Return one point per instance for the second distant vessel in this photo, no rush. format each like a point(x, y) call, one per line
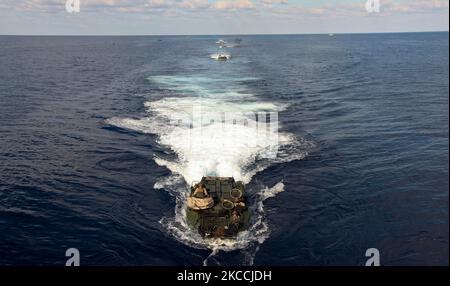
point(221, 43)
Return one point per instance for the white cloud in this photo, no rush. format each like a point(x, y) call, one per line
point(273, 2)
point(157, 4)
point(277, 8)
point(193, 4)
point(215, 16)
point(414, 6)
point(233, 4)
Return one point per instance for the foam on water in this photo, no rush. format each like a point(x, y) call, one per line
point(196, 127)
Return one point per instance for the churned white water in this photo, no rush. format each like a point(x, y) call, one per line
point(216, 130)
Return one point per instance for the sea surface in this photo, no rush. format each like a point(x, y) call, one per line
point(101, 137)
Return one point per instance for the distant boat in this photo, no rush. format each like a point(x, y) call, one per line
point(222, 57)
point(331, 34)
point(221, 42)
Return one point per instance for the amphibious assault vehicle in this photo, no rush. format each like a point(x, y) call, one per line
point(217, 207)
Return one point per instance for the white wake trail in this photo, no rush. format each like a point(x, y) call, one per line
point(214, 131)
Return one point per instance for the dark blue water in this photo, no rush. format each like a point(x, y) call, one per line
point(87, 162)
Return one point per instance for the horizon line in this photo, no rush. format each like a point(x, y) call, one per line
point(226, 34)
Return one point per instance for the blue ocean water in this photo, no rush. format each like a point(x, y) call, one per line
point(90, 157)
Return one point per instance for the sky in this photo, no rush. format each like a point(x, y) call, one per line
point(203, 17)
